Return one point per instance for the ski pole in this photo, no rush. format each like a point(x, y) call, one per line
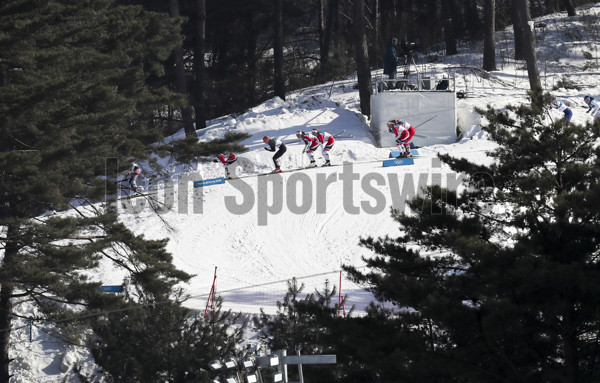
point(426, 121)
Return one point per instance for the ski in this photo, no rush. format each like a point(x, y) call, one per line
point(136, 195)
point(396, 154)
point(284, 171)
point(424, 122)
point(339, 135)
point(313, 167)
point(269, 173)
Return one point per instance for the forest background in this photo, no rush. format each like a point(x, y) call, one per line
point(243, 52)
point(83, 81)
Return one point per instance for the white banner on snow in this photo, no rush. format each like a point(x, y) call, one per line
point(432, 113)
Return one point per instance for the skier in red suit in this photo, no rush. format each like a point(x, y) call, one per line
point(227, 161)
point(310, 145)
point(326, 140)
point(404, 133)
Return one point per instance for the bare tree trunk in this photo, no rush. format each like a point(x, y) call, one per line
point(361, 51)
point(474, 24)
point(433, 10)
point(377, 20)
point(449, 38)
point(409, 20)
point(321, 27)
point(489, 50)
point(551, 6)
point(5, 321)
point(376, 51)
point(528, 45)
point(517, 31)
point(389, 21)
point(219, 58)
point(569, 340)
point(336, 25)
point(568, 4)
point(250, 58)
point(328, 32)
point(385, 30)
point(458, 20)
point(279, 85)
point(199, 66)
point(186, 112)
point(6, 307)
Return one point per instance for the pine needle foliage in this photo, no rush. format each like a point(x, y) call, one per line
point(302, 324)
point(78, 82)
point(498, 283)
point(162, 341)
point(191, 150)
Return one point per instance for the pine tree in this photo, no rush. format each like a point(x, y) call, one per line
point(162, 341)
point(384, 346)
point(505, 274)
point(282, 331)
point(301, 324)
point(75, 90)
point(192, 150)
point(203, 339)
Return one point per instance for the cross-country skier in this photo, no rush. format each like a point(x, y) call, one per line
point(404, 132)
point(275, 145)
point(560, 105)
point(593, 106)
point(310, 145)
point(227, 161)
point(326, 140)
point(133, 174)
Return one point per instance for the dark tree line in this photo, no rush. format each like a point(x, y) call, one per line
point(237, 53)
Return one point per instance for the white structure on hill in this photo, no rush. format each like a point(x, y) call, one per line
point(427, 103)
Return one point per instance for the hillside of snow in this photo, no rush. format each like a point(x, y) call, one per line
point(260, 231)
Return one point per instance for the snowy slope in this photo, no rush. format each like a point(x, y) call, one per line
point(296, 224)
point(323, 212)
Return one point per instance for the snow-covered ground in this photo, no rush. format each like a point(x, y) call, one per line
point(259, 232)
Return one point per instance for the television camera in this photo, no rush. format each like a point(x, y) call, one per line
point(407, 50)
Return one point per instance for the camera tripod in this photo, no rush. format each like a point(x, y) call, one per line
point(407, 62)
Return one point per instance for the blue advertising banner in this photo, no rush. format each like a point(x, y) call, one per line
point(209, 182)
